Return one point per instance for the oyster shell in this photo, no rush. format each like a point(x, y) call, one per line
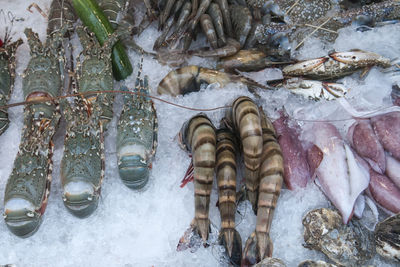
point(310, 263)
point(387, 238)
point(349, 245)
point(270, 262)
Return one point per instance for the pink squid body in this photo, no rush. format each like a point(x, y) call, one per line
point(384, 191)
point(393, 170)
point(387, 129)
point(296, 169)
point(365, 142)
point(341, 176)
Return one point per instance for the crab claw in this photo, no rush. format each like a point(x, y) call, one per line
point(258, 247)
point(303, 67)
point(335, 89)
point(360, 58)
point(232, 242)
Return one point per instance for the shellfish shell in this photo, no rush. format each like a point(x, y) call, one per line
point(310, 263)
point(387, 238)
point(270, 262)
point(349, 245)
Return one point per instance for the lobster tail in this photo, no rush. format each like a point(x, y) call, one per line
point(27, 192)
point(232, 242)
point(258, 247)
point(133, 170)
point(23, 209)
point(19, 223)
point(80, 198)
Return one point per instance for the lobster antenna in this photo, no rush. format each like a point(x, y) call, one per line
point(37, 7)
point(49, 99)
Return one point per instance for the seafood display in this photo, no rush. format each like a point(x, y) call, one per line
point(292, 117)
point(28, 186)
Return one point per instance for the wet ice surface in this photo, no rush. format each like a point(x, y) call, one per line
point(142, 228)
